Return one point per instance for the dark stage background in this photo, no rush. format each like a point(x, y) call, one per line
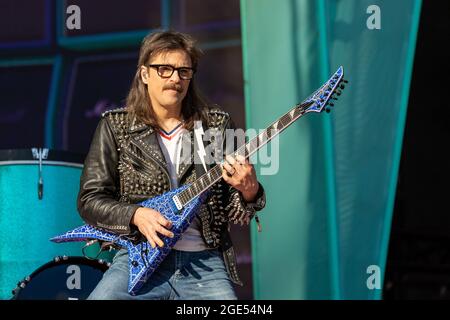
point(418, 265)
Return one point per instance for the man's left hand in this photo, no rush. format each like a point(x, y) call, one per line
point(241, 175)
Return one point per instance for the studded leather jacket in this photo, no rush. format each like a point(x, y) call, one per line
point(125, 166)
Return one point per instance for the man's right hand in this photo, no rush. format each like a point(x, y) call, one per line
point(150, 222)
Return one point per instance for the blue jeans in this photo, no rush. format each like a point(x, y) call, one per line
point(181, 276)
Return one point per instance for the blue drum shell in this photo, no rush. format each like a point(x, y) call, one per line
point(27, 222)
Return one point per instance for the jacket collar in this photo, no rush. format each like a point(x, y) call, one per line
point(137, 126)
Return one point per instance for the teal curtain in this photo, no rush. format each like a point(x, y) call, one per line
point(329, 206)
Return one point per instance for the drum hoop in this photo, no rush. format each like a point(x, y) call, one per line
point(100, 264)
point(70, 260)
point(44, 162)
point(33, 154)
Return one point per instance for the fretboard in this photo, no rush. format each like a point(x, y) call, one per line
point(246, 150)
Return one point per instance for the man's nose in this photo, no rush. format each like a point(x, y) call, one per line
point(175, 76)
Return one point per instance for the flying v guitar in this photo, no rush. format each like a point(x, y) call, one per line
point(180, 205)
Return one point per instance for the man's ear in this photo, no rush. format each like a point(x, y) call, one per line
point(144, 74)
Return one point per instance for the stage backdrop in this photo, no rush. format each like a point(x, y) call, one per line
point(327, 221)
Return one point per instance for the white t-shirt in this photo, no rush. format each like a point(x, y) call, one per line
point(170, 142)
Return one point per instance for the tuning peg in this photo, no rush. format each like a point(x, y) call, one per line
point(331, 104)
point(345, 81)
point(342, 86)
point(338, 92)
point(327, 110)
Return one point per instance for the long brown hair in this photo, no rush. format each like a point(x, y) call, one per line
point(138, 102)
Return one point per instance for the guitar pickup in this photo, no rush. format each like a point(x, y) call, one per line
point(177, 202)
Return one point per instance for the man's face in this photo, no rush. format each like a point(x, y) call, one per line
point(166, 92)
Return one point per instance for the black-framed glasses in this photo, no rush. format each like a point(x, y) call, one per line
point(166, 71)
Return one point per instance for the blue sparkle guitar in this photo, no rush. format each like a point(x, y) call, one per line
point(181, 205)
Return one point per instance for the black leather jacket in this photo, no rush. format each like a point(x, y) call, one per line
point(125, 166)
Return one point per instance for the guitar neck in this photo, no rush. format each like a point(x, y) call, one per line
point(215, 173)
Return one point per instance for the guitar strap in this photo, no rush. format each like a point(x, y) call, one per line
point(200, 159)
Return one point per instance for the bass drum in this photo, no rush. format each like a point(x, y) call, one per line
point(38, 200)
point(64, 278)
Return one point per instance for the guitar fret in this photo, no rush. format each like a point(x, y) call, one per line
point(261, 138)
point(186, 197)
point(204, 182)
point(181, 198)
point(284, 120)
point(217, 172)
point(207, 180)
point(254, 144)
point(191, 193)
point(251, 146)
point(212, 176)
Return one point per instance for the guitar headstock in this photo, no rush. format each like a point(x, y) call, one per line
point(321, 98)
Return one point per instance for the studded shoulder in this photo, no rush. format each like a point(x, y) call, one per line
point(112, 111)
point(216, 116)
point(119, 124)
point(217, 110)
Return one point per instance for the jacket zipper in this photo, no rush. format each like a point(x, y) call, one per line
point(138, 162)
